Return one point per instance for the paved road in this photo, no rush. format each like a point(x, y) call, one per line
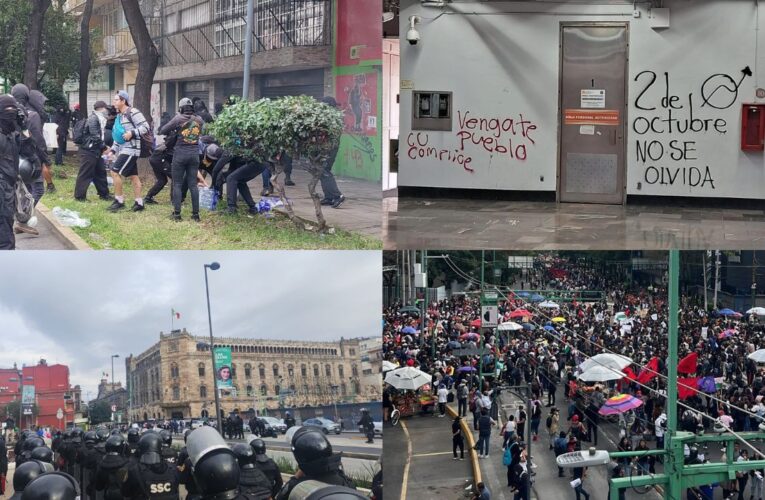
point(418, 460)
point(48, 239)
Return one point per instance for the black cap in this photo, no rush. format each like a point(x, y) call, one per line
point(99, 105)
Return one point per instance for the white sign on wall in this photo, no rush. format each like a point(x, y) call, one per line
point(593, 98)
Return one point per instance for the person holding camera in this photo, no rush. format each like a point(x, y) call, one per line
point(91, 148)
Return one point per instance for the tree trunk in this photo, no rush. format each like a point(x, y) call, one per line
point(148, 56)
point(34, 42)
point(85, 56)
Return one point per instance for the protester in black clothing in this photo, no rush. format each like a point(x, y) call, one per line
point(91, 148)
point(9, 168)
point(458, 440)
point(240, 171)
point(200, 109)
point(62, 118)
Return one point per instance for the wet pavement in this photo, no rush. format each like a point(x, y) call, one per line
point(450, 224)
point(427, 469)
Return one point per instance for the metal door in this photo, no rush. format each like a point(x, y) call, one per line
point(592, 113)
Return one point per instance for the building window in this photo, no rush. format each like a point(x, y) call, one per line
point(355, 370)
point(277, 389)
point(176, 393)
point(202, 391)
point(233, 370)
point(352, 352)
point(343, 389)
point(290, 371)
point(305, 389)
point(303, 371)
point(276, 370)
point(201, 368)
point(247, 371)
point(328, 370)
point(174, 370)
point(316, 371)
point(292, 388)
point(367, 371)
point(262, 371)
point(341, 371)
point(263, 390)
point(249, 390)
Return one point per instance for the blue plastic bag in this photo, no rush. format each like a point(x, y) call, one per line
point(208, 198)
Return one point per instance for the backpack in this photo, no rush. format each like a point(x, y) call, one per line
point(507, 457)
point(560, 445)
point(78, 132)
point(146, 140)
point(548, 422)
point(450, 398)
point(472, 403)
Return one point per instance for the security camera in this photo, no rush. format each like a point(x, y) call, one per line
point(413, 36)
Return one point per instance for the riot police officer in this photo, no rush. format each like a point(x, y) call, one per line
point(267, 465)
point(251, 479)
point(169, 455)
point(43, 454)
point(66, 452)
point(52, 486)
point(313, 454)
point(184, 471)
point(88, 459)
point(112, 470)
point(133, 436)
point(152, 477)
point(215, 468)
point(368, 425)
point(26, 473)
point(29, 444)
point(289, 421)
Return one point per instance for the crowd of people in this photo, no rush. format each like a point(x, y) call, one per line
point(143, 464)
point(545, 356)
point(110, 140)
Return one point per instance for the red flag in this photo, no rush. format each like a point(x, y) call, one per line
point(687, 365)
point(630, 375)
point(649, 371)
point(687, 386)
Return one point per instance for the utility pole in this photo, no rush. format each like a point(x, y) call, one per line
point(754, 278)
point(706, 279)
point(717, 276)
point(248, 51)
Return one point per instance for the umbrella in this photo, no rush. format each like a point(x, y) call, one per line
point(408, 330)
point(549, 328)
point(620, 316)
point(469, 335)
point(407, 378)
point(520, 313)
point(759, 311)
point(758, 356)
point(559, 319)
point(388, 366)
point(727, 312)
point(707, 384)
point(476, 323)
point(600, 374)
point(522, 294)
point(509, 326)
point(536, 298)
point(528, 326)
point(615, 361)
point(466, 369)
point(410, 310)
point(549, 305)
point(725, 334)
point(619, 404)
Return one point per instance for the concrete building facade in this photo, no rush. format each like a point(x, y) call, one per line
point(174, 378)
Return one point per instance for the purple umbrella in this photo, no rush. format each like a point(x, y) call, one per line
point(707, 384)
point(408, 330)
point(466, 369)
point(619, 404)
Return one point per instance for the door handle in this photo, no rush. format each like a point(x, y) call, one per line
point(613, 136)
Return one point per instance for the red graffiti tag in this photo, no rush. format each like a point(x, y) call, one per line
point(419, 149)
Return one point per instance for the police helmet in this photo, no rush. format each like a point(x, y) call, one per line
point(186, 435)
point(77, 435)
point(258, 446)
point(29, 471)
point(217, 472)
point(115, 432)
point(115, 444)
point(68, 434)
point(26, 170)
point(311, 448)
point(52, 486)
point(90, 437)
point(244, 455)
point(43, 454)
point(31, 443)
point(150, 448)
point(167, 437)
point(133, 435)
point(102, 435)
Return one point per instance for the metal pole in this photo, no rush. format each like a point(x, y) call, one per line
point(672, 468)
point(717, 276)
point(248, 51)
point(112, 373)
point(212, 355)
point(754, 279)
point(21, 397)
point(529, 439)
point(706, 280)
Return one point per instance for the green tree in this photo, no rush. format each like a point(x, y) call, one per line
point(12, 409)
point(99, 411)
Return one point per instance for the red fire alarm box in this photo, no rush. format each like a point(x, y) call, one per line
point(753, 127)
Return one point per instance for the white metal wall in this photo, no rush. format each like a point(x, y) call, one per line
point(501, 60)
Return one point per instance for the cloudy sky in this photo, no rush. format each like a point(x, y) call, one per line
point(79, 308)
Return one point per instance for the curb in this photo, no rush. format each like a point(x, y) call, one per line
point(470, 444)
point(71, 239)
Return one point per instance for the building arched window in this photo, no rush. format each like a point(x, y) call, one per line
point(262, 370)
point(343, 389)
point(341, 371)
point(303, 371)
point(290, 371)
point(202, 391)
point(316, 371)
point(233, 370)
point(201, 369)
point(263, 390)
point(276, 370)
point(174, 370)
point(328, 370)
point(176, 393)
point(248, 371)
point(277, 389)
point(355, 370)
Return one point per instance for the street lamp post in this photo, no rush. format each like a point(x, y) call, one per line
point(113, 356)
point(213, 267)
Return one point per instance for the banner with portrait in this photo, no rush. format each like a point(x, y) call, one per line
point(223, 372)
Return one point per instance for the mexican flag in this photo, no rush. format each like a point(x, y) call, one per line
point(176, 314)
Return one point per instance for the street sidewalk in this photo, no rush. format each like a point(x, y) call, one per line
point(361, 212)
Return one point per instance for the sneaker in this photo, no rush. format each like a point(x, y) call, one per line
point(195, 217)
point(253, 211)
point(137, 207)
point(50, 189)
point(288, 182)
point(116, 205)
point(231, 211)
point(81, 199)
point(462, 458)
point(327, 202)
point(455, 458)
point(338, 202)
point(266, 192)
point(176, 216)
point(150, 201)
point(20, 228)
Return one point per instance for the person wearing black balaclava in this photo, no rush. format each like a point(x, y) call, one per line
point(200, 109)
point(9, 168)
point(39, 156)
